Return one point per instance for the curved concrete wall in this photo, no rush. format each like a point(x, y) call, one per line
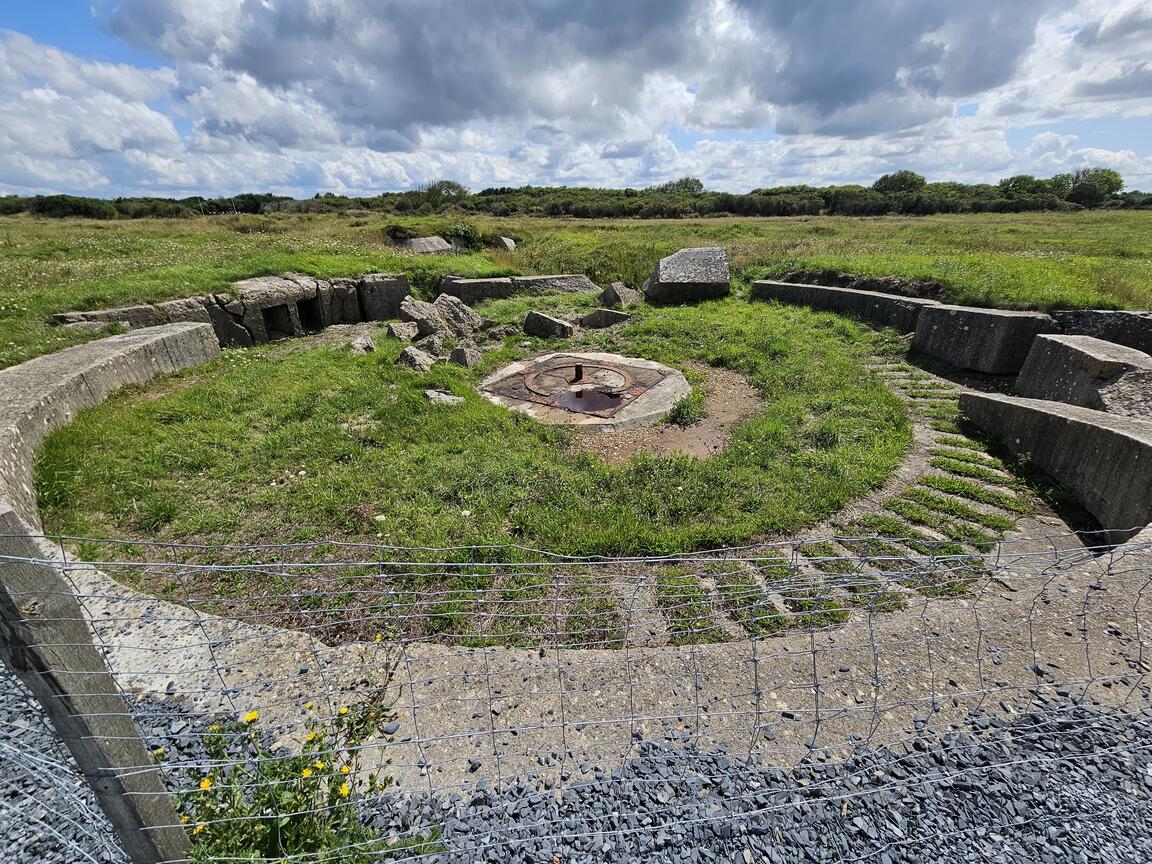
point(1104, 458)
point(45, 393)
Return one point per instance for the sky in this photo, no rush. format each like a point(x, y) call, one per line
point(295, 97)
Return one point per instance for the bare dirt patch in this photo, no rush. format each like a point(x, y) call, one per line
point(730, 400)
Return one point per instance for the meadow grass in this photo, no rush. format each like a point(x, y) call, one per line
point(1052, 260)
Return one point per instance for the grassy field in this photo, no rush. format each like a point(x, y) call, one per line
point(289, 442)
point(1084, 260)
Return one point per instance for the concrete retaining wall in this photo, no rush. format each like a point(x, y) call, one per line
point(46, 392)
point(995, 341)
point(1092, 373)
point(889, 310)
point(1106, 460)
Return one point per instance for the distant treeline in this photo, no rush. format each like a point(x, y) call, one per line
point(903, 192)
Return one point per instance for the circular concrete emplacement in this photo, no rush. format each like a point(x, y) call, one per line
point(596, 391)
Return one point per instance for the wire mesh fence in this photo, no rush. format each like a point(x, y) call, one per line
point(835, 699)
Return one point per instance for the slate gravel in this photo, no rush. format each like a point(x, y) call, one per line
point(48, 815)
point(1060, 782)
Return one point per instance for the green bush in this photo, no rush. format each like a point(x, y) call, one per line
point(465, 234)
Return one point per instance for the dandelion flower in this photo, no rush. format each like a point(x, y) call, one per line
point(184, 820)
point(206, 784)
point(311, 736)
point(319, 765)
point(199, 827)
point(308, 705)
point(345, 769)
point(306, 773)
point(159, 752)
point(251, 716)
point(343, 711)
point(379, 638)
point(345, 790)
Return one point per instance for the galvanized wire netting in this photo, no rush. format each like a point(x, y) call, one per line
point(843, 699)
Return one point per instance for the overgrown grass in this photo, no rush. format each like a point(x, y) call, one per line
point(293, 443)
point(1096, 259)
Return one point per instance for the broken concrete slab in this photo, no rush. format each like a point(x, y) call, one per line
point(504, 244)
point(474, 290)
point(229, 332)
point(1105, 459)
point(433, 245)
point(134, 317)
point(277, 307)
point(415, 359)
point(1085, 371)
point(405, 331)
point(601, 318)
point(689, 275)
point(362, 345)
point(457, 315)
point(619, 294)
point(887, 310)
point(381, 295)
point(433, 344)
point(995, 341)
point(568, 283)
point(442, 397)
point(342, 300)
point(423, 314)
point(546, 327)
point(466, 354)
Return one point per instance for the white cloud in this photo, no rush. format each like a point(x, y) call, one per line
point(360, 96)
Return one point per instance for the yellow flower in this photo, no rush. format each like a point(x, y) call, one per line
point(306, 773)
point(206, 784)
point(345, 769)
point(345, 790)
point(319, 765)
point(251, 716)
point(158, 752)
point(199, 827)
point(308, 705)
point(214, 728)
point(184, 820)
point(311, 736)
point(343, 711)
point(379, 638)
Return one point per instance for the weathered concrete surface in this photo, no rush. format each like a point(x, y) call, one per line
point(601, 318)
point(143, 314)
point(689, 275)
point(567, 283)
point(995, 341)
point(546, 327)
point(46, 392)
point(416, 359)
point(426, 246)
point(1106, 460)
point(474, 290)
point(1089, 372)
point(888, 310)
point(381, 295)
point(1133, 329)
point(504, 244)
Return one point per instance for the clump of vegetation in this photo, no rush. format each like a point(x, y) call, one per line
point(465, 234)
point(691, 409)
point(686, 608)
point(271, 805)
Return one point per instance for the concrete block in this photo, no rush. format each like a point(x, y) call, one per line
point(689, 275)
point(433, 245)
point(601, 318)
point(546, 327)
point(1089, 372)
point(995, 341)
point(474, 290)
point(381, 295)
point(1104, 459)
point(568, 283)
point(46, 392)
point(888, 310)
point(1133, 329)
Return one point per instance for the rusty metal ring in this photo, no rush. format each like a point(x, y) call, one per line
point(530, 378)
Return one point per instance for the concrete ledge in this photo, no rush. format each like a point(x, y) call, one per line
point(472, 291)
point(46, 392)
point(1088, 372)
point(888, 310)
point(995, 341)
point(1104, 459)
